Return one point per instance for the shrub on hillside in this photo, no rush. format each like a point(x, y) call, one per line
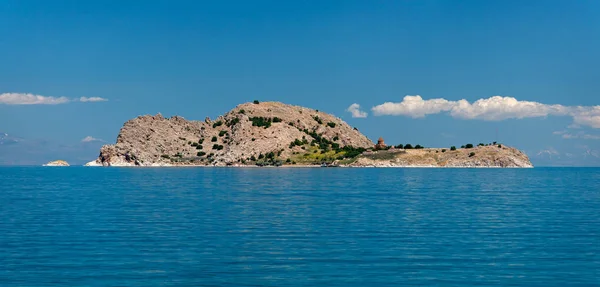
point(261, 122)
point(256, 102)
point(318, 120)
point(331, 124)
point(217, 124)
point(469, 146)
point(452, 148)
point(213, 139)
point(408, 146)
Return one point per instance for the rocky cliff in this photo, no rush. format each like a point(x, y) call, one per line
point(266, 133)
point(481, 156)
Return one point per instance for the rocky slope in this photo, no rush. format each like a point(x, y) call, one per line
point(251, 133)
point(481, 156)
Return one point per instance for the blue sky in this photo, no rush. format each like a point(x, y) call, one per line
point(201, 58)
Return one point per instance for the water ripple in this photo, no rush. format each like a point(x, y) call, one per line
point(299, 227)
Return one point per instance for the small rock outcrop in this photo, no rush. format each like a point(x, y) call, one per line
point(57, 163)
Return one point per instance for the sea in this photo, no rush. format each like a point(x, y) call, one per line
point(78, 226)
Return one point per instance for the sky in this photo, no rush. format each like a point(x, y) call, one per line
point(435, 73)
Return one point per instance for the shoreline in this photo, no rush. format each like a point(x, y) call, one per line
point(311, 166)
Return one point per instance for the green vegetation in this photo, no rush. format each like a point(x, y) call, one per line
point(418, 146)
point(233, 122)
point(443, 150)
point(331, 124)
point(261, 122)
point(201, 141)
point(400, 146)
point(253, 139)
point(469, 146)
point(199, 146)
point(217, 147)
point(200, 153)
point(452, 148)
point(336, 138)
point(222, 133)
point(499, 146)
point(481, 144)
point(242, 111)
point(165, 156)
point(298, 142)
point(256, 102)
point(318, 120)
point(408, 146)
point(217, 124)
point(213, 139)
point(193, 143)
point(276, 120)
point(471, 154)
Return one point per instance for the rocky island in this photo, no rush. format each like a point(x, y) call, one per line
point(276, 134)
point(57, 163)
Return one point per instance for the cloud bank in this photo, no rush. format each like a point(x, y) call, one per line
point(31, 99)
point(354, 109)
point(495, 108)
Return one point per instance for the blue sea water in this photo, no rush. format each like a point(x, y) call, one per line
point(299, 227)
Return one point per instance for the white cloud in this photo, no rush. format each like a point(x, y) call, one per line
point(413, 106)
point(90, 139)
point(92, 99)
point(578, 135)
point(548, 152)
point(354, 109)
point(495, 108)
point(30, 99)
point(587, 116)
point(501, 108)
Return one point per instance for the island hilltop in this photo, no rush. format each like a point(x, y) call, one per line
point(274, 134)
